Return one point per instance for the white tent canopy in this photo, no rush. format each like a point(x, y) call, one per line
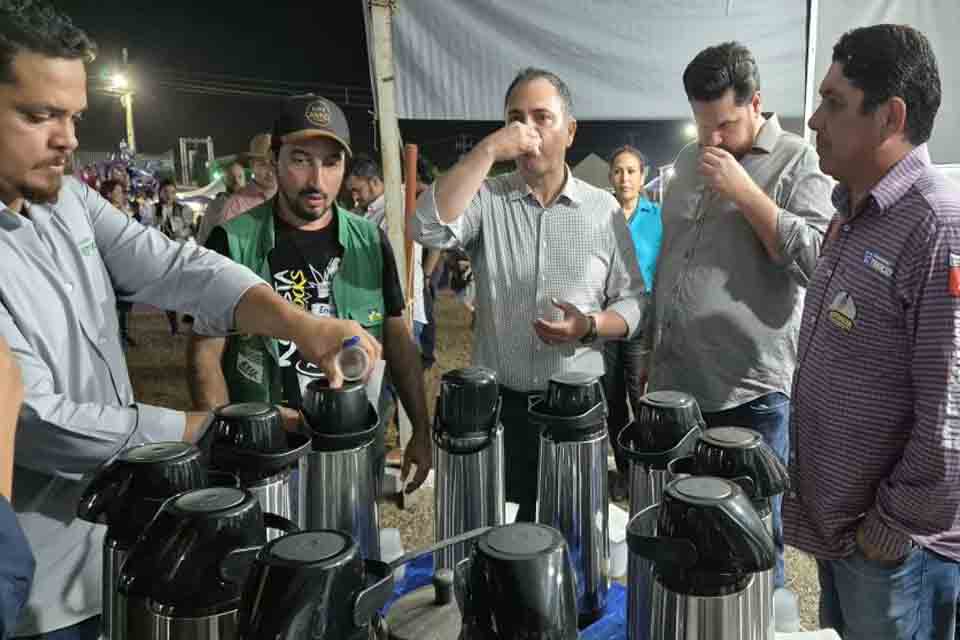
point(623, 59)
point(937, 19)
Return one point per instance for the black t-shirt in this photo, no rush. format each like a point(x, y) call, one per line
point(303, 264)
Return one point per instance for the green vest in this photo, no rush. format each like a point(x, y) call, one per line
point(251, 363)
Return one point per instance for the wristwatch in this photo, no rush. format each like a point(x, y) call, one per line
point(591, 335)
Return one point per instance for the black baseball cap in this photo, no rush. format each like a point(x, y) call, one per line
point(310, 116)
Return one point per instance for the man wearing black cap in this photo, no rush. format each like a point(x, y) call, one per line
point(325, 260)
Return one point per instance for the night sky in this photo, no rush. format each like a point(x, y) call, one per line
point(206, 46)
point(193, 44)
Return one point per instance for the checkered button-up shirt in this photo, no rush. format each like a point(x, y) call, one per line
point(578, 249)
point(875, 424)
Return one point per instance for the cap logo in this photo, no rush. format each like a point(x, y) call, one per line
point(318, 113)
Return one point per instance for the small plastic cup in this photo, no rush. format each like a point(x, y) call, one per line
point(353, 360)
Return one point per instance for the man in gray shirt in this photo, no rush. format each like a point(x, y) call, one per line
point(742, 225)
point(67, 255)
point(554, 263)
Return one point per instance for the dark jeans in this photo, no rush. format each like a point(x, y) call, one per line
point(770, 415)
point(428, 334)
point(521, 453)
point(89, 629)
point(625, 363)
point(863, 599)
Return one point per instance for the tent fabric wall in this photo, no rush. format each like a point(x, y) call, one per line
point(937, 19)
point(623, 59)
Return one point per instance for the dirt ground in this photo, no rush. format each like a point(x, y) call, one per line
point(157, 367)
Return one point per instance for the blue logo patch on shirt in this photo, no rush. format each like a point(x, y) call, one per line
point(878, 263)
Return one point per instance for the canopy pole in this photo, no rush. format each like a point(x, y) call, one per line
point(381, 14)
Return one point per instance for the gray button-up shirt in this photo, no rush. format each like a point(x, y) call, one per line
point(725, 317)
point(522, 255)
point(62, 264)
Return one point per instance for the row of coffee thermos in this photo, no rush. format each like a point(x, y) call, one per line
point(209, 544)
point(571, 484)
point(700, 535)
point(202, 567)
point(184, 524)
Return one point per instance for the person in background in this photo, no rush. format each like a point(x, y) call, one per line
point(67, 254)
point(234, 179)
point(116, 194)
point(365, 182)
point(114, 191)
point(625, 360)
point(556, 267)
point(431, 260)
point(260, 188)
point(148, 207)
point(16, 559)
point(875, 460)
point(176, 222)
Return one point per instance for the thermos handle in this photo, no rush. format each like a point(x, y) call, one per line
point(273, 521)
point(642, 541)
point(222, 479)
point(369, 601)
point(747, 484)
point(443, 544)
point(109, 482)
point(236, 565)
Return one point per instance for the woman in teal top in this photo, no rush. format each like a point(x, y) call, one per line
point(625, 361)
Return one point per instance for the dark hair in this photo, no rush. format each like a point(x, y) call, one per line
point(35, 26)
point(716, 69)
point(632, 151)
point(532, 73)
point(167, 182)
point(889, 60)
point(107, 187)
point(363, 166)
point(423, 171)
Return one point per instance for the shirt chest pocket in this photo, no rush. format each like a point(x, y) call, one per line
point(863, 312)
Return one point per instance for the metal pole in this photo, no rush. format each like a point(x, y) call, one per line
point(381, 13)
point(127, 101)
point(410, 205)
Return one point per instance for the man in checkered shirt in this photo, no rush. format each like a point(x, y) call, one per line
point(554, 263)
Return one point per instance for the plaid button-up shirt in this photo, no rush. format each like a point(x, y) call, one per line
point(875, 429)
point(578, 249)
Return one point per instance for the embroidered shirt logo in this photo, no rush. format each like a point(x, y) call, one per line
point(843, 311)
point(878, 263)
point(87, 247)
point(374, 316)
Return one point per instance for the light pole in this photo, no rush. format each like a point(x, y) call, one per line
point(120, 82)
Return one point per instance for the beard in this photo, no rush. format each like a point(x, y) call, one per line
point(42, 194)
point(302, 212)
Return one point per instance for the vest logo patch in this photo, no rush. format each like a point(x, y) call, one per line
point(374, 316)
point(250, 366)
